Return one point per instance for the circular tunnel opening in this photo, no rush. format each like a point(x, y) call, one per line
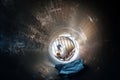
point(64, 48)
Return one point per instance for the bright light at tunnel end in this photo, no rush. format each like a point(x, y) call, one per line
point(64, 48)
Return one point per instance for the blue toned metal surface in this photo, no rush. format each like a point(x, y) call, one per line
point(69, 68)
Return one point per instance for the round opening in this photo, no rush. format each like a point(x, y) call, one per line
point(64, 48)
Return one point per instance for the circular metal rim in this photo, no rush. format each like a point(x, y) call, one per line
point(76, 54)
